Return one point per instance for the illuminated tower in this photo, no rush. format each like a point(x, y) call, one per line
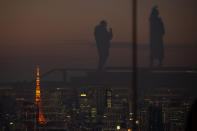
point(41, 118)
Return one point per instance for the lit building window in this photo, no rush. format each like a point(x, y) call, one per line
point(93, 112)
point(83, 94)
point(109, 103)
point(118, 127)
point(137, 122)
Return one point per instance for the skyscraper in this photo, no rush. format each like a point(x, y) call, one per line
point(155, 120)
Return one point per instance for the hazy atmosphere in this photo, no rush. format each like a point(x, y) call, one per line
point(60, 33)
point(49, 20)
point(98, 65)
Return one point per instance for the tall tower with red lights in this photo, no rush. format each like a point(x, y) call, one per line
point(40, 118)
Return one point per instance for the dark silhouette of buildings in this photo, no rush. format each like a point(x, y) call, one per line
point(156, 37)
point(102, 37)
point(102, 100)
point(155, 121)
point(191, 120)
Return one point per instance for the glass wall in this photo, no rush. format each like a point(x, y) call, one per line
point(84, 53)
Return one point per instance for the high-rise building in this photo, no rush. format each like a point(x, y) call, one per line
point(155, 118)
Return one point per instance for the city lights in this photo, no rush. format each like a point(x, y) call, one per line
point(67, 104)
point(83, 94)
point(102, 65)
point(118, 127)
point(137, 122)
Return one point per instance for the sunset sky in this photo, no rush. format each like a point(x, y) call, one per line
point(30, 31)
point(27, 22)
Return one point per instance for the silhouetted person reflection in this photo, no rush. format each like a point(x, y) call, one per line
point(102, 37)
point(156, 37)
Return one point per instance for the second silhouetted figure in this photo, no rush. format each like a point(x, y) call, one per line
point(156, 36)
point(102, 37)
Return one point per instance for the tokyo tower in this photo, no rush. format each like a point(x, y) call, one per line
point(40, 118)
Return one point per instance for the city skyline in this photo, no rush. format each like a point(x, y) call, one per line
point(73, 65)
